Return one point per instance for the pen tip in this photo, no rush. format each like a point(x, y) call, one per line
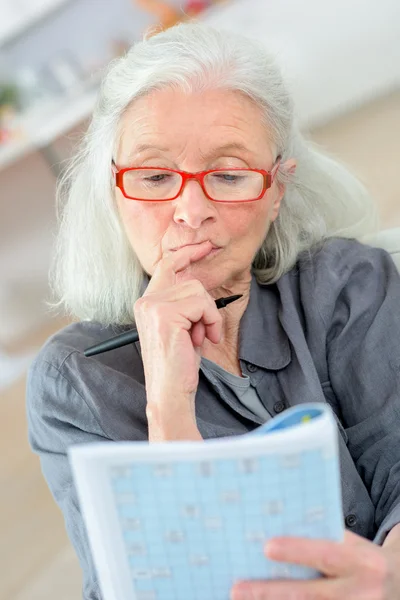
point(233, 298)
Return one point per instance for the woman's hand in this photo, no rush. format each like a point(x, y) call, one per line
point(173, 320)
point(355, 569)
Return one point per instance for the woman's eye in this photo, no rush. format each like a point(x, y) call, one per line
point(156, 178)
point(228, 177)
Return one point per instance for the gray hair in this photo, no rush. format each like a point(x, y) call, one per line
point(95, 274)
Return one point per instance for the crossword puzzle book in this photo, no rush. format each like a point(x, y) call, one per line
point(185, 520)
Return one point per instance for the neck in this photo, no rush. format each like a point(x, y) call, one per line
point(231, 315)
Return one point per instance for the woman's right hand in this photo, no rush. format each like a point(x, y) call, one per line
point(173, 319)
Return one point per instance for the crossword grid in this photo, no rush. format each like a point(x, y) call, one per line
point(193, 528)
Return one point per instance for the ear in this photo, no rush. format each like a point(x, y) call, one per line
point(289, 167)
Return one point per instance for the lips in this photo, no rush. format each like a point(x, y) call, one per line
point(214, 247)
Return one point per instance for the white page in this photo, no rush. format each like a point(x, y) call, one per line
point(91, 465)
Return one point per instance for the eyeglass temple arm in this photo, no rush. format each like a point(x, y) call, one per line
point(275, 168)
point(114, 169)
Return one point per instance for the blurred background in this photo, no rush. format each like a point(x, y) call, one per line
point(342, 62)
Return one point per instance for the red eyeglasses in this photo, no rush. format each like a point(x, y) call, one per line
point(154, 184)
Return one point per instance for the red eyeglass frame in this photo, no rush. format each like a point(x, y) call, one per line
point(268, 176)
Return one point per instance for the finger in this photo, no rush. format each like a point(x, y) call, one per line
point(209, 325)
point(353, 539)
point(193, 310)
point(172, 263)
point(330, 558)
point(198, 334)
point(282, 590)
point(393, 537)
point(186, 303)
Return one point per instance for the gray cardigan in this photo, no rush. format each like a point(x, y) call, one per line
point(327, 331)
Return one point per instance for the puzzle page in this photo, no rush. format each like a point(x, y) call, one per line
point(184, 522)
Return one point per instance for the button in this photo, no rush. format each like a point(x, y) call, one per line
point(279, 406)
point(251, 368)
point(350, 520)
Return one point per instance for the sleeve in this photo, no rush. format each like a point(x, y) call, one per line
point(58, 417)
point(363, 352)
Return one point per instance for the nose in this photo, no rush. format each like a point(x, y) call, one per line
point(192, 206)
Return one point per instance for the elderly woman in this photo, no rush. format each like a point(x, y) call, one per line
point(194, 183)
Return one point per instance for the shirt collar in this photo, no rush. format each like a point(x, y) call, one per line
point(262, 339)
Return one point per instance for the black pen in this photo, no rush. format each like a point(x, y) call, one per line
point(131, 336)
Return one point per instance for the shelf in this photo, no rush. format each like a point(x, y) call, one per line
point(46, 123)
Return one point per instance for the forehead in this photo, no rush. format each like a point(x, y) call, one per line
point(175, 120)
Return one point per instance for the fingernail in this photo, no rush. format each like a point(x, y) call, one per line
point(271, 548)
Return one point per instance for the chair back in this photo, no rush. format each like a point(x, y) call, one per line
point(389, 240)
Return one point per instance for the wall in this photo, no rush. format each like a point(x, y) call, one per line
point(334, 56)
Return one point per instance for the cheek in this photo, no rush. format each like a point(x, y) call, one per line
point(248, 221)
point(145, 226)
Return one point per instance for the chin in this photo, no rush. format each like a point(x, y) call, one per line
point(207, 277)
point(212, 276)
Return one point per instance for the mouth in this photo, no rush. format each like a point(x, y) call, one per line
point(214, 248)
point(214, 251)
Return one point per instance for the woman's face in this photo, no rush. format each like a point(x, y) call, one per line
point(209, 130)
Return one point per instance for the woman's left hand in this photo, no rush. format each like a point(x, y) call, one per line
point(355, 569)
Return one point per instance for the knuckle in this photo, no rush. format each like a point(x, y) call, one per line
point(140, 306)
point(198, 287)
point(328, 560)
point(145, 306)
point(376, 564)
point(168, 258)
point(375, 569)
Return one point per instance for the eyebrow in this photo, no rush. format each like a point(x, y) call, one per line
point(225, 148)
point(210, 154)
